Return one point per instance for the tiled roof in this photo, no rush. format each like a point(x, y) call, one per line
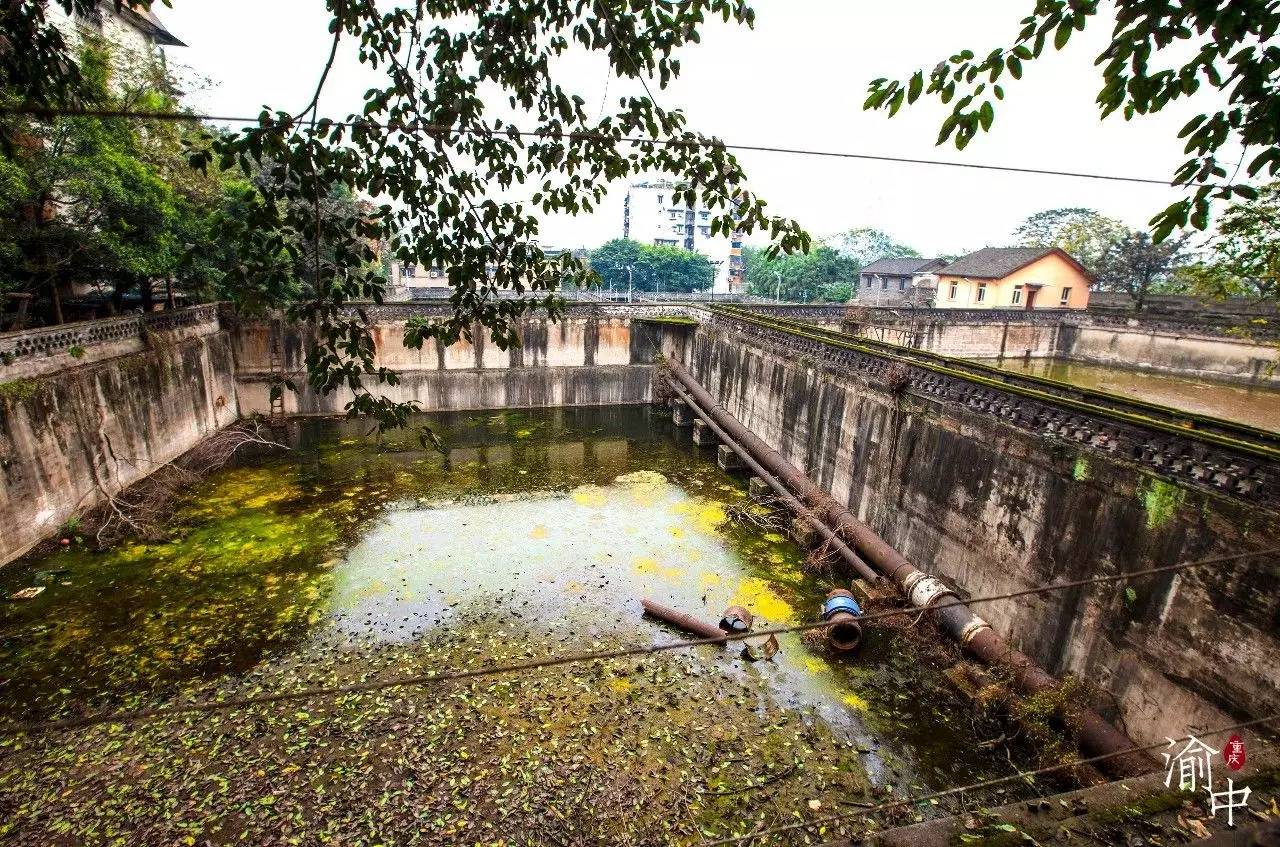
point(998, 262)
point(897, 267)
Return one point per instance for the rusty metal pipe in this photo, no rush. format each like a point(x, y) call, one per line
point(680, 620)
point(788, 499)
point(1097, 736)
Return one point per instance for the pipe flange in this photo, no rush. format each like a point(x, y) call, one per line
point(924, 592)
point(972, 628)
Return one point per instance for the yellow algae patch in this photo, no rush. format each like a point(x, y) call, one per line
point(641, 478)
point(853, 701)
point(620, 684)
point(572, 586)
point(538, 531)
point(774, 537)
point(676, 532)
point(757, 595)
point(591, 496)
point(814, 665)
point(652, 567)
point(709, 579)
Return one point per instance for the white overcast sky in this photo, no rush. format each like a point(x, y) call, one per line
point(797, 80)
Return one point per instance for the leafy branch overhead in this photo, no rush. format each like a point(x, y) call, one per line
point(473, 108)
point(1223, 45)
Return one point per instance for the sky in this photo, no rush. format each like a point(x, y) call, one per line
point(797, 80)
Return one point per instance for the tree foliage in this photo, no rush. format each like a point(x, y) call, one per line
point(1136, 265)
point(1160, 52)
point(866, 245)
point(652, 267)
point(101, 201)
point(823, 273)
point(1247, 246)
point(1083, 233)
point(472, 105)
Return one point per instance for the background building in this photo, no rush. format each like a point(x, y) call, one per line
point(892, 282)
point(655, 213)
point(1013, 278)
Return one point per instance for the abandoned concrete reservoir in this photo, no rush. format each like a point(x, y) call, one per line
point(580, 472)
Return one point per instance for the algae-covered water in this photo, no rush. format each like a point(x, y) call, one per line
point(354, 557)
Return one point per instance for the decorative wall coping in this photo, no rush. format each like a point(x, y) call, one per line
point(31, 352)
point(1240, 469)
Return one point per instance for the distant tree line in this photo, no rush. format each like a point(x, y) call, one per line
point(646, 267)
point(1242, 259)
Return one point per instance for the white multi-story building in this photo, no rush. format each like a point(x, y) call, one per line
point(655, 213)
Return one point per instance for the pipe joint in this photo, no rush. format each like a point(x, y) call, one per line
point(924, 590)
point(972, 628)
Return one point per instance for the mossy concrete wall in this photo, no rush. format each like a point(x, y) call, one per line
point(993, 509)
point(588, 358)
point(70, 438)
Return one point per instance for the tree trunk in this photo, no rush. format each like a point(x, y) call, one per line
point(168, 293)
point(117, 297)
point(56, 297)
point(144, 288)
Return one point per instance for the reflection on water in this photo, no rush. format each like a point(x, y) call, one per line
point(539, 528)
point(1248, 404)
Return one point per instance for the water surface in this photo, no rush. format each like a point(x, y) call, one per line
point(356, 557)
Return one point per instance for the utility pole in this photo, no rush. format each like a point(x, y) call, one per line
point(777, 288)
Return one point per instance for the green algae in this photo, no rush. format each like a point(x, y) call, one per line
point(19, 389)
point(1080, 471)
point(357, 556)
point(1161, 500)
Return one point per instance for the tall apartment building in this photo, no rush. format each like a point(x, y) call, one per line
point(655, 213)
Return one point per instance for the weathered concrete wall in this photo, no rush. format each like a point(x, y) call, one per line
point(1237, 360)
point(995, 509)
point(591, 357)
point(70, 437)
point(1181, 349)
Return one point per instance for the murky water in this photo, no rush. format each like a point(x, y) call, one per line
point(533, 534)
point(1254, 405)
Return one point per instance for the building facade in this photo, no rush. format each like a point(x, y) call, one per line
point(894, 282)
point(1013, 278)
point(656, 213)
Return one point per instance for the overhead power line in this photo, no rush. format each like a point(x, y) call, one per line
point(986, 783)
point(161, 712)
point(584, 135)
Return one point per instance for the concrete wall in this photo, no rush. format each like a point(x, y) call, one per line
point(591, 357)
point(993, 509)
point(1142, 347)
point(69, 437)
point(1235, 360)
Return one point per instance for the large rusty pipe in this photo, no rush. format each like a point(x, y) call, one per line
point(682, 621)
point(1097, 736)
point(838, 546)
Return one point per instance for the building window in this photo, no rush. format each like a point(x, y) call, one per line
point(1066, 296)
point(982, 292)
point(704, 231)
point(1017, 295)
point(951, 293)
point(408, 270)
point(868, 282)
point(902, 283)
point(884, 283)
point(660, 198)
